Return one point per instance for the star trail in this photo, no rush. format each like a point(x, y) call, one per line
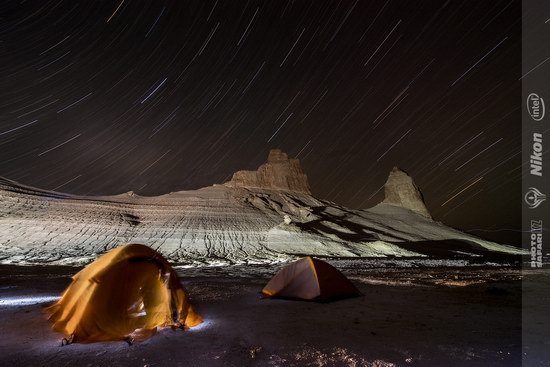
point(156, 96)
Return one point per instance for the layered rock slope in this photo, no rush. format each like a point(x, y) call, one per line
point(259, 216)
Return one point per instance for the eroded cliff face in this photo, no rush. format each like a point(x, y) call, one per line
point(401, 190)
point(238, 222)
point(279, 173)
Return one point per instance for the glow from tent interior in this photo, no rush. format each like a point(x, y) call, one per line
point(25, 301)
point(203, 325)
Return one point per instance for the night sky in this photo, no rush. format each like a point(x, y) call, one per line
point(104, 97)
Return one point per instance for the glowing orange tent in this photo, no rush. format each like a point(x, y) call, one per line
point(124, 295)
point(310, 279)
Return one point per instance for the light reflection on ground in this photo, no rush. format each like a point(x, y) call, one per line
point(203, 325)
point(25, 301)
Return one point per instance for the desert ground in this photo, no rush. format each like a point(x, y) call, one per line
point(410, 314)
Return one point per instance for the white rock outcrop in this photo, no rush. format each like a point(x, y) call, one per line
point(401, 190)
point(232, 223)
point(279, 173)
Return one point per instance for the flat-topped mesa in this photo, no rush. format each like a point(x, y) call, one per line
point(400, 190)
point(279, 173)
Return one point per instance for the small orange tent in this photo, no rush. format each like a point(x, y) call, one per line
point(124, 295)
point(310, 279)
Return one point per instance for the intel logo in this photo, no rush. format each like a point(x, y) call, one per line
point(535, 106)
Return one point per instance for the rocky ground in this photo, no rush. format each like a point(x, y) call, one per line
point(411, 314)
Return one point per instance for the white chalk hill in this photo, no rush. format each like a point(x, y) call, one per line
point(259, 216)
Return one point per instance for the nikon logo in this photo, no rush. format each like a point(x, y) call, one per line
point(535, 107)
point(536, 157)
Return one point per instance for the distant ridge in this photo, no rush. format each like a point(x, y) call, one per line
point(268, 215)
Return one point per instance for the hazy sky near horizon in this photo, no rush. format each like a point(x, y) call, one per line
point(158, 96)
